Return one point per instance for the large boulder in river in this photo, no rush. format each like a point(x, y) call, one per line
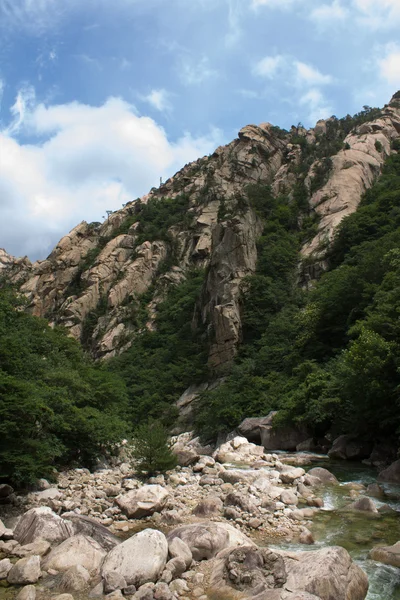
point(42, 523)
point(391, 474)
point(262, 574)
point(323, 475)
point(282, 437)
point(251, 427)
point(363, 504)
point(350, 447)
point(329, 574)
point(206, 540)
point(78, 550)
point(143, 502)
point(388, 555)
point(139, 559)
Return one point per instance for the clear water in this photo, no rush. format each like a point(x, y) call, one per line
point(356, 531)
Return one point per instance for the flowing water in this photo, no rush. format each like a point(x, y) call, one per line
point(357, 531)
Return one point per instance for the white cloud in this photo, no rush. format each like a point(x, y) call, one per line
point(159, 99)
point(194, 73)
point(378, 14)
point(306, 74)
point(317, 106)
point(24, 101)
point(389, 65)
point(282, 4)
point(268, 66)
point(93, 159)
point(327, 13)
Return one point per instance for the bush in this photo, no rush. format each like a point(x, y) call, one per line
point(152, 451)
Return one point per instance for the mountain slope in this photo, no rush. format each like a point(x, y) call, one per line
point(103, 282)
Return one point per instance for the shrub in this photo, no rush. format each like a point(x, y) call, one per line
point(152, 451)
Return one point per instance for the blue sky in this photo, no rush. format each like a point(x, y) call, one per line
point(99, 98)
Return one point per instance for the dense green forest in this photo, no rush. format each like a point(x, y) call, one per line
point(330, 357)
point(56, 407)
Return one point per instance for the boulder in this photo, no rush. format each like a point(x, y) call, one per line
point(177, 548)
point(238, 450)
point(39, 547)
point(350, 447)
point(5, 491)
point(139, 559)
point(324, 475)
point(28, 592)
point(289, 497)
point(42, 523)
point(91, 528)
point(329, 574)
point(185, 456)
point(364, 504)
point(26, 570)
point(250, 428)
point(76, 579)
point(143, 502)
point(388, 555)
point(291, 475)
point(391, 474)
point(5, 568)
point(282, 438)
point(77, 550)
point(205, 540)
point(208, 507)
point(248, 572)
point(114, 581)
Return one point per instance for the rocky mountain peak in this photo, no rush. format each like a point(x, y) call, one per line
point(101, 273)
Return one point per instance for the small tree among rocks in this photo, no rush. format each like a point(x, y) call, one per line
point(152, 452)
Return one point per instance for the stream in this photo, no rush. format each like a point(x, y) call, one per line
point(357, 531)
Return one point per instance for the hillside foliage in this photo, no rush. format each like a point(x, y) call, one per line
point(328, 358)
point(56, 407)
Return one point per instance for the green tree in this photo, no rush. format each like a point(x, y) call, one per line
point(152, 452)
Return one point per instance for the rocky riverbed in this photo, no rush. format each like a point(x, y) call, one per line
point(240, 523)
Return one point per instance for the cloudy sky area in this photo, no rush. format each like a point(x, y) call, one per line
point(101, 98)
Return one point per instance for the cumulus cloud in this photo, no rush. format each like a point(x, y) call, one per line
point(92, 159)
point(328, 13)
point(282, 4)
point(268, 66)
point(316, 104)
point(389, 65)
point(194, 72)
point(309, 75)
point(382, 14)
point(159, 99)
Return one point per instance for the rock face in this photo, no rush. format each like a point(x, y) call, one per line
point(143, 502)
point(108, 265)
point(42, 523)
point(139, 559)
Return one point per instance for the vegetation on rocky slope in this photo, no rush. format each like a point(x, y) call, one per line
point(330, 357)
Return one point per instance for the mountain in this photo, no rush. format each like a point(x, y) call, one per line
point(99, 274)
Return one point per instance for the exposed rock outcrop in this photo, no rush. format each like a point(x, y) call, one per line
point(100, 271)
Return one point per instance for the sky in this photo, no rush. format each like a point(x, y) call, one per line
point(101, 98)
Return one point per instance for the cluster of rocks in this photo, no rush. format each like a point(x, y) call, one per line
point(185, 526)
